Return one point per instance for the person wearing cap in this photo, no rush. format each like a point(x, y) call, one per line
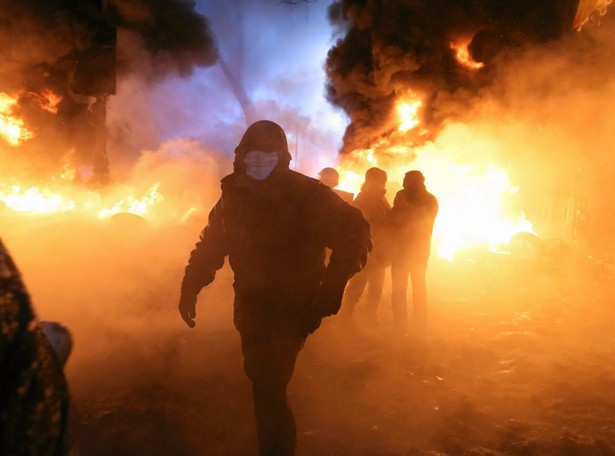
point(331, 178)
point(376, 209)
point(412, 219)
point(274, 225)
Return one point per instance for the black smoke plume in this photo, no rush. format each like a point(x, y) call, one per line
point(78, 49)
point(390, 47)
point(53, 35)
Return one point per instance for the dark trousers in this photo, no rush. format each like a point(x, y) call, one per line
point(400, 272)
point(269, 362)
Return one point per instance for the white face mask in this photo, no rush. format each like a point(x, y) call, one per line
point(260, 164)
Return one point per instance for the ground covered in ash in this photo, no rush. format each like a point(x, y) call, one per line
point(518, 359)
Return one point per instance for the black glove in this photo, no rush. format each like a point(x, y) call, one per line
point(329, 297)
point(187, 308)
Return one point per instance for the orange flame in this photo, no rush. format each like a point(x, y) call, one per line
point(134, 205)
point(34, 200)
point(41, 201)
point(474, 199)
point(409, 112)
point(69, 173)
point(462, 54)
point(12, 128)
point(47, 100)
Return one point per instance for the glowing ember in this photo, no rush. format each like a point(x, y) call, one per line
point(11, 128)
point(463, 55)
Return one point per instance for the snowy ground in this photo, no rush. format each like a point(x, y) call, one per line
point(517, 361)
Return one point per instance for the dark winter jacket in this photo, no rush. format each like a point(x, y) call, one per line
point(376, 210)
point(275, 233)
point(412, 220)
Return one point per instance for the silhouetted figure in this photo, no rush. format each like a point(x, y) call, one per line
point(376, 210)
point(331, 178)
point(412, 218)
point(33, 391)
point(274, 225)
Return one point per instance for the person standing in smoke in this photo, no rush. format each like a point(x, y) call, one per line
point(331, 178)
point(376, 210)
point(412, 219)
point(34, 399)
point(274, 224)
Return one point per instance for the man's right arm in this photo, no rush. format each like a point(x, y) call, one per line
point(206, 258)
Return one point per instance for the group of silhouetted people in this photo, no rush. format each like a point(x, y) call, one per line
point(401, 237)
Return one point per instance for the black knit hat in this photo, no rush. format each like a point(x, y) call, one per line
point(264, 136)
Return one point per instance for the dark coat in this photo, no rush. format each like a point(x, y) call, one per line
point(275, 233)
point(376, 210)
point(412, 220)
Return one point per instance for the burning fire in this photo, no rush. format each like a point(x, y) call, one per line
point(47, 100)
point(62, 195)
point(474, 199)
point(12, 128)
point(463, 55)
point(137, 206)
point(409, 112)
point(40, 201)
point(34, 200)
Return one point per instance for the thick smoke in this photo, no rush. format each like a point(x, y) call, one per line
point(392, 47)
point(181, 69)
point(54, 35)
point(172, 32)
point(81, 49)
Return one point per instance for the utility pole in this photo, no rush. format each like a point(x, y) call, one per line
point(94, 80)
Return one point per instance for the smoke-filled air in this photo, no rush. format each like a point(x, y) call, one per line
point(118, 119)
